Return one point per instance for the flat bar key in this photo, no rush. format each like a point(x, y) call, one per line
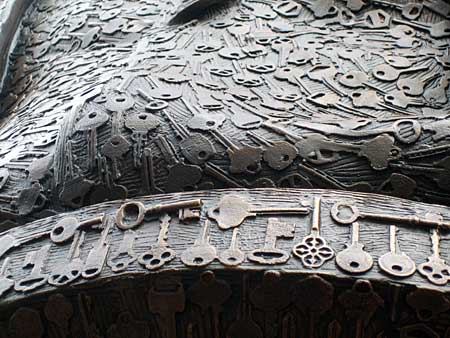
point(131, 214)
point(345, 213)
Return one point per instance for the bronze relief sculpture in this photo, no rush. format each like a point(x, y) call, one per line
point(205, 168)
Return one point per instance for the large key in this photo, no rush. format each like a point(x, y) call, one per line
point(269, 254)
point(232, 210)
point(70, 269)
point(435, 268)
point(345, 213)
point(36, 278)
point(66, 227)
point(159, 254)
point(354, 259)
point(233, 255)
point(439, 29)
point(201, 253)
point(395, 262)
point(313, 250)
point(132, 214)
point(125, 255)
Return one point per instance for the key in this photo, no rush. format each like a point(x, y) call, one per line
point(345, 213)
point(395, 262)
point(8, 241)
point(201, 253)
point(6, 282)
point(181, 176)
point(89, 124)
point(388, 73)
point(357, 79)
point(125, 255)
point(284, 47)
point(440, 7)
point(97, 256)
point(287, 9)
point(409, 11)
point(354, 55)
point(435, 268)
point(153, 105)
point(415, 86)
point(320, 8)
point(148, 173)
point(354, 259)
point(70, 269)
point(269, 254)
point(439, 29)
point(406, 131)
point(68, 226)
point(232, 256)
point(166, 303)
point(36, 278)
point(313, 250)
point(232, 210)
point(398, 98)
point(325, 74)
point(159, 254)
point(132, 214)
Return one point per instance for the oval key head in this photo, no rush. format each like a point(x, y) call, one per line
point(230, 212)
point(341, 216)
point(64, 229)
point(407, 130)
point(130, 215)
point(398, 265)
point(354, 259)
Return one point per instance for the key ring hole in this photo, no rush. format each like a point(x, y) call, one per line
point(344, 213)
point(130, 215)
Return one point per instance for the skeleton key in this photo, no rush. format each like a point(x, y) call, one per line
point(6, 282)
point(159, 254)
point(140, 124)
point(283, 46)
point(232, 256)
point(269, 254)
point(409, 11)
point(69, 270)
point(68, 226)
point(354, 259)
point(201, 253)
point(89, 124)
point(314, 250)
point(232, 210)
point(395, 262)
point(125, 255)
point(97, 256)
point(435, 269)
point(36, 278)
point(439, 29)
point(388, 73)
point(346, 213)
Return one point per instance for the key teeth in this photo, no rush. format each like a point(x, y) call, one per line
point(188, 214)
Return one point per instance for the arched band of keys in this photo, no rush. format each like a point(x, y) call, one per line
point(131, 214)
point(395, 262)
point(201, 253)
point(232, 210)
point(159, 254)
point(345, 213)
point(354, 259)
point(313, 250)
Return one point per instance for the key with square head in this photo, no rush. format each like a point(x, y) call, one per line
point(345, 213)
point(160, 253)
point(395, 262)
point(313, 250)
point(354, 259)
point(202, 252)
point(439, 29)
point(97, 256)
point(68, 226)
point(270, 254)
point(385, 72)
point(36, 260)
point(232, 210)
point(232, 256)
point(125, 255)
point(435, 269)
point(6, 282)
point(70, 269)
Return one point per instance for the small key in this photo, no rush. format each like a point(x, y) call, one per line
point(66, 227)
point(97, 256)
point(131, 214)
point(354, 259)
point(6, 282)
point(36, 278)
point(320, 8)
point(357, 79)
point(354, 55)
point(325, 73)
point(125, 255)
point(201, 253)
point(395, 262)
point(345, 213)
point(283, 46)
point(435, 268)
point(159, 254)
point(232, 210)
point(314, 250)
point(70, 269)
point(287, 9)
point(148, 173)
point(233, 255)
point(269, 254)
point(388, 73)
point(439, 29)
point(409, 11)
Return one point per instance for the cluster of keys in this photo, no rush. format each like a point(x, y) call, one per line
point(229, 213)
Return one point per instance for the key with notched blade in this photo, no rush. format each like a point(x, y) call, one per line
point(36, 278)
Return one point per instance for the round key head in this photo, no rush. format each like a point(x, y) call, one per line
point(344, 213)
point(64, 229)
point(130, 215)
point(398, 265)
point(354, 259)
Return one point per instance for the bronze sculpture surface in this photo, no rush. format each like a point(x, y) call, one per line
point(166, 103)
